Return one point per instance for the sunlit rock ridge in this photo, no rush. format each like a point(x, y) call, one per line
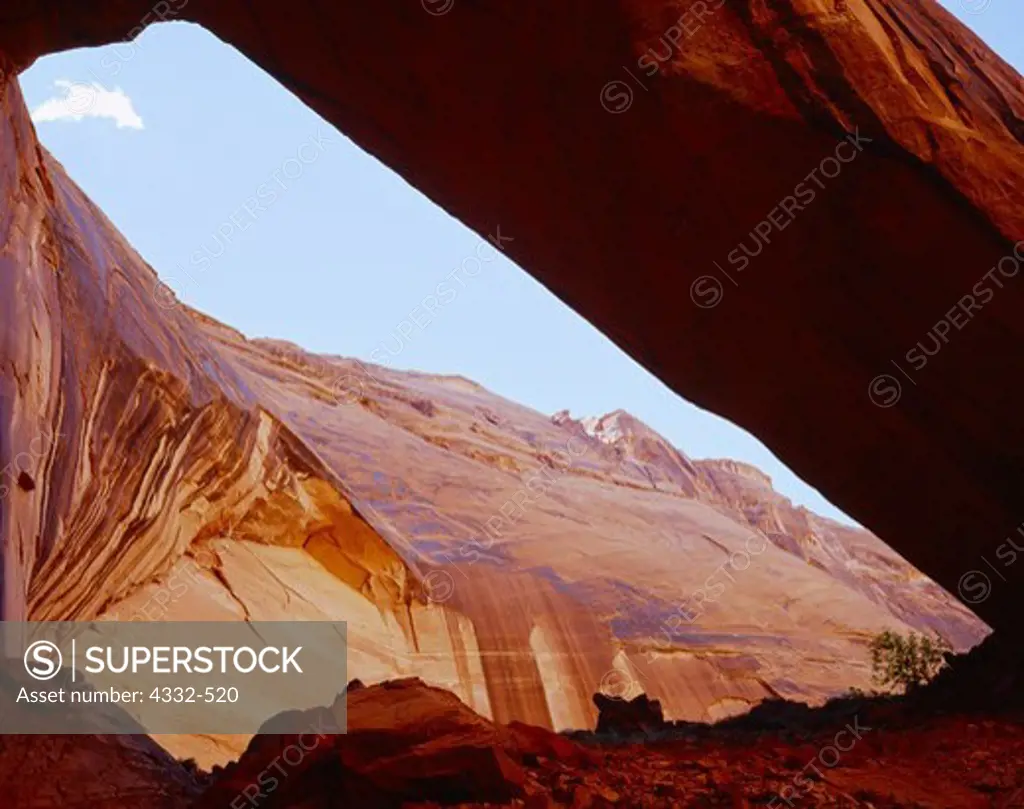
point(159, 465)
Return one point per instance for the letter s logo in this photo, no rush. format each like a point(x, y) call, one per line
point(884, 390)
point(43, 660)
point(616, 97)
point(707, 292)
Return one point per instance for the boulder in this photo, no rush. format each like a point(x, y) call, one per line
point(406, 740)
point(621, 717)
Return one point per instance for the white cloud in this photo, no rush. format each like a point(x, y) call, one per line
point(80, 100)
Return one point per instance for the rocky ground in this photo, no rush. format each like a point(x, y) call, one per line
point(519, 560)
point(948, 762)
point(956, 744)
point(952, 762)
point(412, 746)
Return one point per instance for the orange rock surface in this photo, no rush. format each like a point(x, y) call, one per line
point(170, 468)
point(419, 748)
point(629, 190)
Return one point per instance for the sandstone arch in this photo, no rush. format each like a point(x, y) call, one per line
point(494, 110)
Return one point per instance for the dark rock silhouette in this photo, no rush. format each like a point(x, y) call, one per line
point(877, 252)
point(405, 741)
point(621, 717)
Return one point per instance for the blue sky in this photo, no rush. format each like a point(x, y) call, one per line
point(336, 250)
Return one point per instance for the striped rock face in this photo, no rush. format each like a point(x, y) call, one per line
point(160, 466)
point(803, 215)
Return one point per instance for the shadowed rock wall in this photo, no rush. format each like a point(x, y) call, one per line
point(629, 193)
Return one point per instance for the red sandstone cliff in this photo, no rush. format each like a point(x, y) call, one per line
point(168, 467)
point(749, 98)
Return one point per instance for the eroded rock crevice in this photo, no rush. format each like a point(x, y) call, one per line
point(932, 202)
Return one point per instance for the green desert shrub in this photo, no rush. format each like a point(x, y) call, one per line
point(901, 663)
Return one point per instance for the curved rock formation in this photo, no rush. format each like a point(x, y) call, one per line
point(648, 157)
point(405, 742)
point(178, 470)
point(96, 772)
point(415, 746)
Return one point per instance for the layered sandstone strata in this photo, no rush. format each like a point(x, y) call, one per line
point(634, 149)
point(163, 466)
